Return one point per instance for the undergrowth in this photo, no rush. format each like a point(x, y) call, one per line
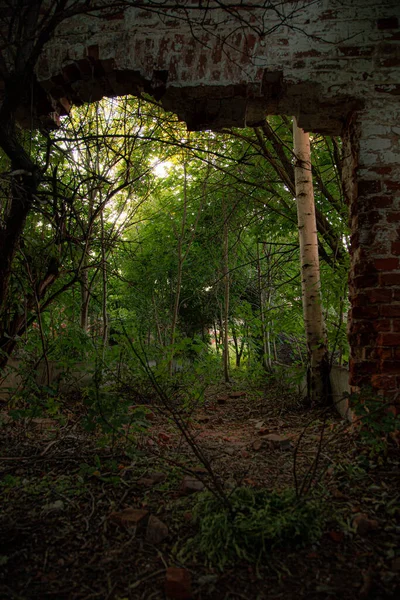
point(256, 522)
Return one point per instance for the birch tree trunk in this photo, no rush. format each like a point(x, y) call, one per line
point(226, 294)
point(104, 277)
point(318, 360)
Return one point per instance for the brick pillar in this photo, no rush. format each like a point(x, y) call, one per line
point(372, 183)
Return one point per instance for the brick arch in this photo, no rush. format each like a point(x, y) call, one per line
point(335, 67)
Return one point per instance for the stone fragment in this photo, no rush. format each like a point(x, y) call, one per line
point(237, 394)
point(277, 441)
point(363, 525)
point(158, 476)
point(336, 536)
point(222, 399)
point(258, 425)
point(257, 445)
point(200, 470)
point(263, 431)
point(54, 507)
point(203, 419)
point(190, 485)
point(145, 481)
point(156, 531)
point(396, 564)
point(151, 479)
point(5, 418)
point(178, 584)
point(129, 517)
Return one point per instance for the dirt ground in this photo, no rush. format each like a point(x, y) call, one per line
point(62, 490)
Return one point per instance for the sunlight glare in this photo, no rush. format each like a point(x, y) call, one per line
point(161, 168)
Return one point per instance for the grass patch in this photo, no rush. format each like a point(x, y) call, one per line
point(257, 522)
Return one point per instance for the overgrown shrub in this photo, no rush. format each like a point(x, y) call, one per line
point(256, 522)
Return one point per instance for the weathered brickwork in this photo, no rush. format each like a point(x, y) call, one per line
point(334, 65)
point(215, 70)
point(375, 273)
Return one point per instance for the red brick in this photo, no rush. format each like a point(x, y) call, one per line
point(364, 327)
point(365, 312)
point(382, 324)
point(392, 186)
point(388, 339)
point(383, 382)
point(388, 23)
point(380, 202)
point(393, 217)
point(388, 49)
point(368, 187)
point(384, 353)
point(396, 326)
point(390, 279)
point(390, 62)
point(328, 15)
point(359, 380)
point(365, 281)
point(363, 267)
point(366, 339)
point(360, 300)
point(395, 248)
point(178, 584)
point(381, 170)
point(307, 53)
point(365, 367)
point(379, 296)
point(390, 310)
point(390, 366)
point(115, 16)
point(386, 264)
point(369, 218)
point(396, 352)
point(93, 52)
point(355, 50)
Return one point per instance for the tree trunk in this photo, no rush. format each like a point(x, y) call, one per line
point(266, 352)
point(226, 297)
point(85, 294)
point(105, 285)
point(318, 360)
point(181, 260)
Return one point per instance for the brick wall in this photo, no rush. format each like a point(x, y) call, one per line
point(374, 328)
point(319, 64)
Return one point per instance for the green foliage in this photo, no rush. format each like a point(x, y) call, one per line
point(111, 414)
point(377, 421)
point(43, 487)
point(34, 401)
point(256, 522)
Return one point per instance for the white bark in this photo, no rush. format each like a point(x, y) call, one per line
point(226, 295)
point(318, 367)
